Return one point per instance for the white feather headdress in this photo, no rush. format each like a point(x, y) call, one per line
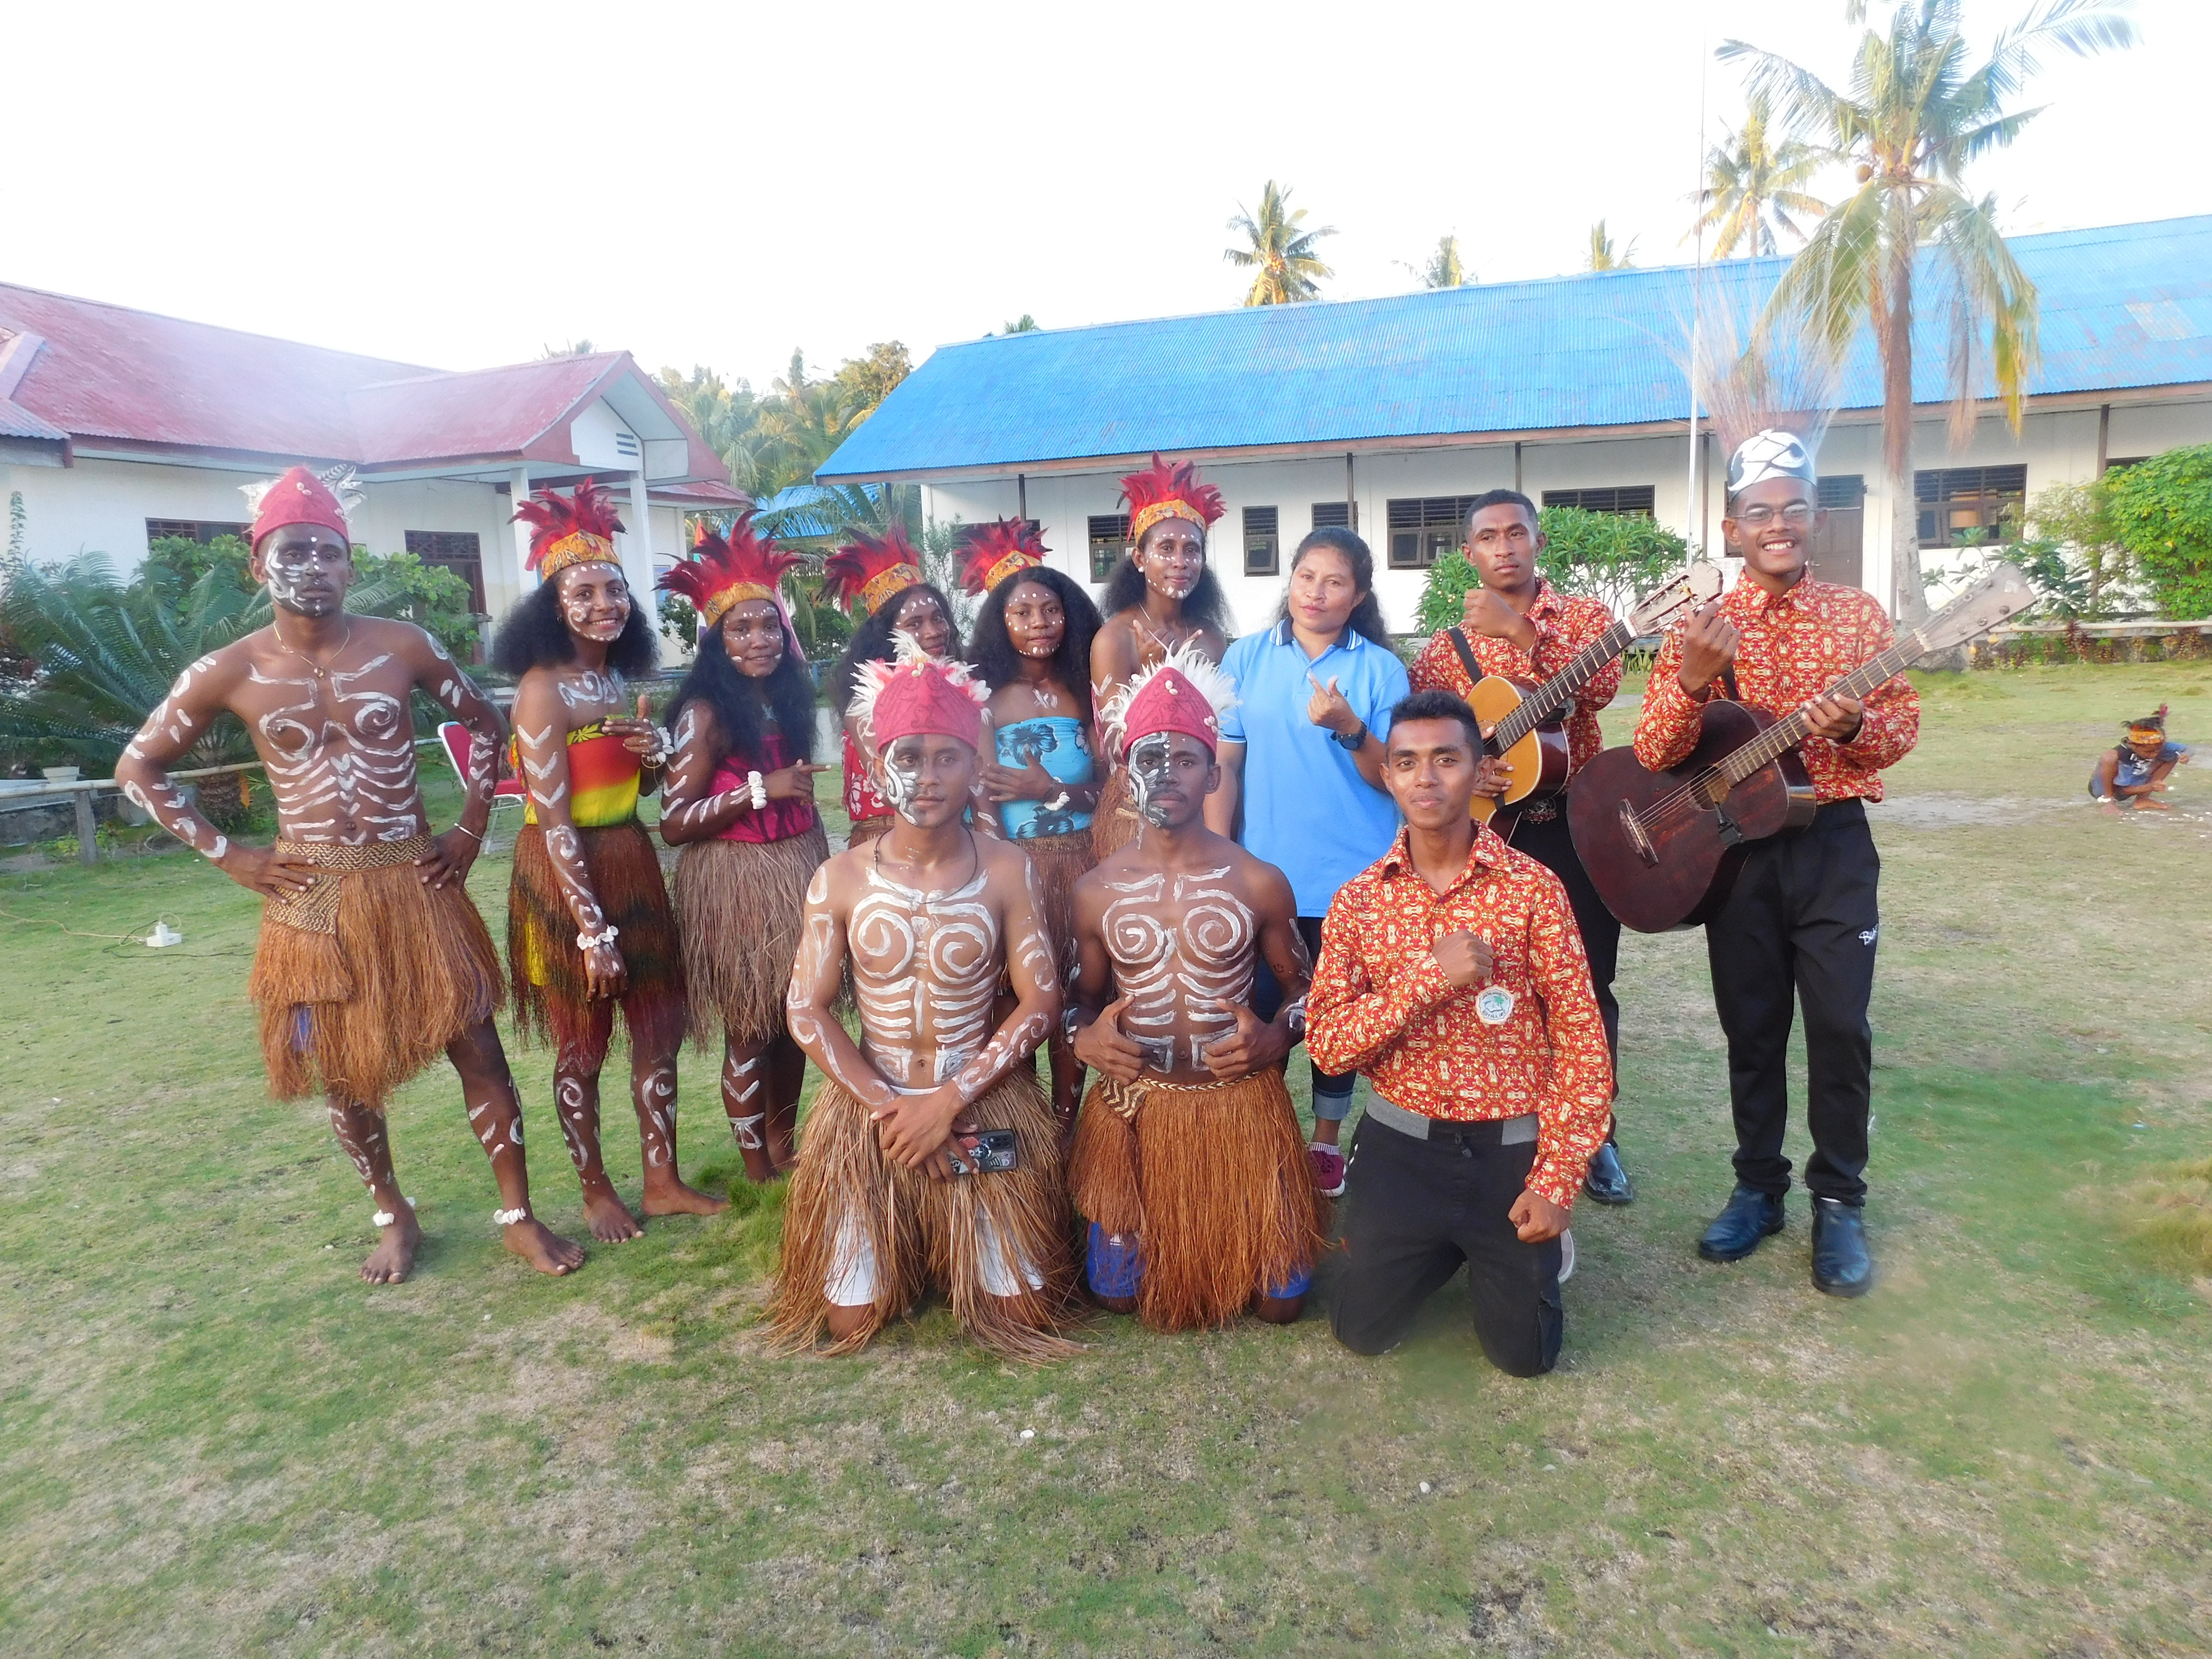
point(1217, 687)
point(342, 481)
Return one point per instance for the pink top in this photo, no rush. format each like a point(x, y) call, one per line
point(780, 820)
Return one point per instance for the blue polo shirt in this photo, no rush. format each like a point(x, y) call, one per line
point(1307, 810)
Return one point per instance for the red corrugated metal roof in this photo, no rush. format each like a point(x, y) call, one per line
point(16, 421)
point(108, 373)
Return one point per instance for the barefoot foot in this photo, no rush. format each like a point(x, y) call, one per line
point(672, 1197)
point(608, 1216)
point(393, 1259)
point(542, 1248)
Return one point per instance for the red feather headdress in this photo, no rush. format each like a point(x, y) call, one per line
point(726, 571)
point(1169, 490)
point(868, 569)
point(999, 551)
point(566, 530)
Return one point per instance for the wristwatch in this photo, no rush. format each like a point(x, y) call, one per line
point(1358, 737)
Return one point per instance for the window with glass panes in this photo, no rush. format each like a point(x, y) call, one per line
point(1966, 504)
point(202, 531)
point(1109, 540)
point(1628, 501)
point(1422, 529)
point(1263, 545)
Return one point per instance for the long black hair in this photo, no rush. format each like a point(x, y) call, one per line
point(737, 700)
point(1366, 618)
point(872, 640)
point(991, 650)
point(1206, 604)
point(535, 635)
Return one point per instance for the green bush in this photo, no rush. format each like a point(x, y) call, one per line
point(384, 584)
point(1606, 556)
point(2160, 511)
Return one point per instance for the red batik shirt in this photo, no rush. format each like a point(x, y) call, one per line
point(1790, 650)
point(1379, 1004)
point(862, 799)
point(1564, 624)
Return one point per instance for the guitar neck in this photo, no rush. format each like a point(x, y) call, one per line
point(1545, 702)
point(1785, 734)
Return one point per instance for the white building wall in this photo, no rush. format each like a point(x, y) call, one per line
point(2056, 446)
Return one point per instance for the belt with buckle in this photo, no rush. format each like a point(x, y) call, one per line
point(1509, 1131)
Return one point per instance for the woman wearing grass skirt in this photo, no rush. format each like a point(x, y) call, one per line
point(1032, 648)
point(588, 924)
point(741, 806)
point(877, 581)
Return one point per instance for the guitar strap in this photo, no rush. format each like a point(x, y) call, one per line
point(1465, 656)
point(1728, 683)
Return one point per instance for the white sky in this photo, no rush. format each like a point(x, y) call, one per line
point(718, 183)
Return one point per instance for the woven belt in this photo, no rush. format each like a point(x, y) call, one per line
point(316, 911)
point(1511, 1131)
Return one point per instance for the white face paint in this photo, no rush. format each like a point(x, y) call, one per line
point(902, 769)
point(305, 569)
point(594, 601)
point(1148, 771)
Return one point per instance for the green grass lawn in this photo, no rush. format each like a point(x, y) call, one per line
point(214, 1438)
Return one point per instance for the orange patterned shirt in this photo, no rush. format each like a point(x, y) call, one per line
point(1379, 1004)
point(1790, 649)
point(1564, 624)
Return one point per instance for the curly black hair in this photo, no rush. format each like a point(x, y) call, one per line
point(535, 635)
point(737, 700)
point(1206, 604)
point(992, 653)
point(872, 641)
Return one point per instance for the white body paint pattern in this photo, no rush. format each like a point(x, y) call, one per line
point(1175, 975)
point(679, 809)
point(588, 688)
point(171, 805)
point(924, 964)
point(359, 766)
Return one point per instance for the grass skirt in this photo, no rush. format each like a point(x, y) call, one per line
point(1059, 862)
point(1114, 825)
point(389, 976)
point(922, 1232)
point(1213, 1178)
point(552, 998)
point(865, 830)
point(738, 904)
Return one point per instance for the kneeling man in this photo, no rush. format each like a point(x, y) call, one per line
point(931, 1153)
point(1451, 975)
point(1188, 1161)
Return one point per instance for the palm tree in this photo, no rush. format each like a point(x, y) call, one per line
point(1444, 269)
point(1752, 187)
point(1282, 257)
point(802, 422)
point(1603, 255)
point(1917, 111)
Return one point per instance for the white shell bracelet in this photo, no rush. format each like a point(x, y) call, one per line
point(508, 1218)
point(386, 1217)
point(759, 789)
point(586, 941)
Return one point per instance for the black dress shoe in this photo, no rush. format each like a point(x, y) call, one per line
point(1605, 1180)
point(1841, 1266)
point(1751, 1215)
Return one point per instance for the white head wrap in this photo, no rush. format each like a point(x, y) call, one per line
point(1770, 452)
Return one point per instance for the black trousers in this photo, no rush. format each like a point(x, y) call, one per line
point(1550, 846)
point(1414, 1211)
point(1268, 1002)
point(1800, 926)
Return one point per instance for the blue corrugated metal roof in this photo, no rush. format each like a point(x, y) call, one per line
point(2122, 306)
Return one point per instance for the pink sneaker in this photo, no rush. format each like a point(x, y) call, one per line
point(1327, 1165)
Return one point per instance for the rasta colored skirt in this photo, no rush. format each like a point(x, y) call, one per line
point(370, 976)
point(738, 904)
point(1211, 1178)
point(861, 1230)
point(552, 998)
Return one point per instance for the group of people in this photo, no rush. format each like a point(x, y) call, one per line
point(1163, 858)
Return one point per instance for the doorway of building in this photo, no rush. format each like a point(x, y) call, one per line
point(1839, 546)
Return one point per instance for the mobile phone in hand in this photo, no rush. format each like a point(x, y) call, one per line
point(985, 1153)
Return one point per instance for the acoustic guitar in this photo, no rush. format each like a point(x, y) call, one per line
point(1527, 721)
point(1663, 848)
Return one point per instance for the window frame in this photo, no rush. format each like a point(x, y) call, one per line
point(1263, 541)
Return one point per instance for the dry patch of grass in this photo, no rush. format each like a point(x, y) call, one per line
point(2172, 1214)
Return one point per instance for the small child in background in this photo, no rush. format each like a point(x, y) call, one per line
point(2133, 773)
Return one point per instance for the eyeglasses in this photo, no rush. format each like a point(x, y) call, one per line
point(1797, 515)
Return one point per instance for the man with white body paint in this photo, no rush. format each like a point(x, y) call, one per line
point(896, 1185)
point(1188, 1163)
point(372, 959)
